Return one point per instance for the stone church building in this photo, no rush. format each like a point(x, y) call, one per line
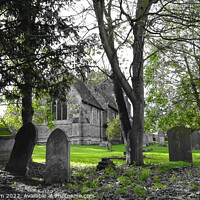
point(84, 114)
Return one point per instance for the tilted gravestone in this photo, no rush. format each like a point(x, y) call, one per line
point(179, 144)
point(195, 140)
point(23, 148)
point(57, 158)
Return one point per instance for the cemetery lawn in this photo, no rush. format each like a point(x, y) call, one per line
point(157, 179)
point(84, 155)
point(89, 156)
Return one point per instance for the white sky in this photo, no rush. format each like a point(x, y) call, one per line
point(2, 110)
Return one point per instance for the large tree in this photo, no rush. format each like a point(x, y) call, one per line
point(172, 73)
point(174, 89)
point(37, 45)
point(137, 20)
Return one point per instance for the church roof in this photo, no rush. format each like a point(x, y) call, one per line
point(110, 100)
point(86, 94)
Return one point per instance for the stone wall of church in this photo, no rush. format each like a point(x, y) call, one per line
point(78, 134)
point(83, 129)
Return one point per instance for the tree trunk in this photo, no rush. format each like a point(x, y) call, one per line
point(123, 115)
point(27, 109)
point(26, 89)
point(136, 135)
point(136, 92)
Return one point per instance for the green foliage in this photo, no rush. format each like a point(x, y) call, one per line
point(121, 191)
point(195, 186)
point(36, 57)
point(42, 114)
point(173, 178)
point(159, 186)
point(124, 180)
point(3, 124)
point(114, 128)
point(81, 175)
point(13, 117)
point(145, 174)
point(172, 72)
point(38, 60)
point(139, 190)
point(110, 171)
point(157, 178)
point(167, 166)
point(130, 172)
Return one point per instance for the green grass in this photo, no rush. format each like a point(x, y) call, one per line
point(157, 156)
point(82, 156)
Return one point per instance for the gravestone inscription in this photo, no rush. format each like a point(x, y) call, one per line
point(57, 158)
point(22, 150)
point(179, 144)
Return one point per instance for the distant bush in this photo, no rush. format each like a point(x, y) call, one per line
point(113, 129)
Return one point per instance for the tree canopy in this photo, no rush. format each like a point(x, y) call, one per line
point(172, 72)
point(37, 48)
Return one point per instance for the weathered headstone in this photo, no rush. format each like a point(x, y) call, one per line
point(150, 138)
point(161, 138)
point(57, 158)
point(6, 146)
point(145, 140)
point(195, 140)
point(179, 144)
point(103, 143)
point(22, 151)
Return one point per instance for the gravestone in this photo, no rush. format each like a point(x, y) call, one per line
point(103, 143)
point(150, 138)
point(21, 153)
point(161, 138)
point(6, 146)
point(195, 140)
point(57, 158)
point(179, 144)
point(145, 140)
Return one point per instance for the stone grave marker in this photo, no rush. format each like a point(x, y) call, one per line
point(161, 138)
point(6, 146)
point(150, 138)
point(145, 140)
point(57, 158)
point(179, 144)
point(195, 140)
point(22, 150)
